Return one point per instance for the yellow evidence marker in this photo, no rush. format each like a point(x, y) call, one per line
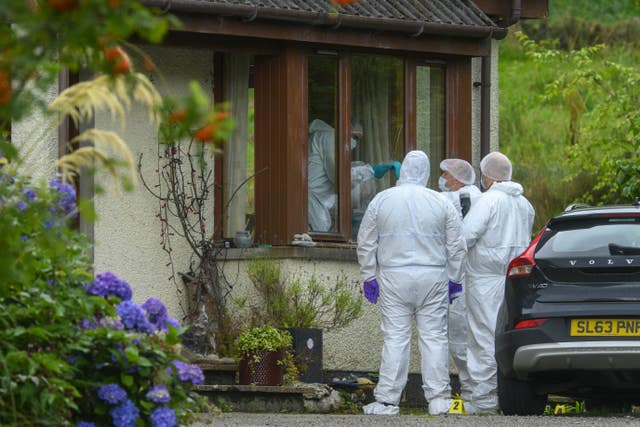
point(457, 407)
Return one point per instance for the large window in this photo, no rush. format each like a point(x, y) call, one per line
point(376, 137)
point(328, 125)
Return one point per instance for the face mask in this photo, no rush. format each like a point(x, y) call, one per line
point(442, 183)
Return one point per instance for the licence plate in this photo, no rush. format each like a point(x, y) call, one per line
point(605, 328)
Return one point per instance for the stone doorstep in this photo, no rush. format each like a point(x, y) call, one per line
point(217, 372)
point(319, 398)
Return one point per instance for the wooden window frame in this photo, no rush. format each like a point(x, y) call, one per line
point(281, 138)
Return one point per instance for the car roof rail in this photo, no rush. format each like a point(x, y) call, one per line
point(574, 206)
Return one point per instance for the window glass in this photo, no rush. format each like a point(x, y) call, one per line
point(593, 239)
point(377, 96)
point(430, 117)
point(238, 190)
point(323, 156)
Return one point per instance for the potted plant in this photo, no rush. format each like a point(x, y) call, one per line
point(305, 307)
point(262, 352)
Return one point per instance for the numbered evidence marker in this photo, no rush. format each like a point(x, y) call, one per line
point(457, 407)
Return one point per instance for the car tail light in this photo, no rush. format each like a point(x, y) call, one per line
point(523, 264)
point(530, 323)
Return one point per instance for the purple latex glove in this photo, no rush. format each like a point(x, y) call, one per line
point(455, 289)
point(371, 290)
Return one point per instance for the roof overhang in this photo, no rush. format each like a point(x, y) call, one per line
point(331, 27)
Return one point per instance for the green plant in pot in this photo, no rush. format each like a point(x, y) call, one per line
point(263, 352)
point(305, 306)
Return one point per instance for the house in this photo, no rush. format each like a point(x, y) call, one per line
point(412, 74)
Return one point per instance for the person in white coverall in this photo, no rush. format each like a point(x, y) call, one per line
point(457, 184)
point(496, 230)
point(322, 174)
point(409, 238)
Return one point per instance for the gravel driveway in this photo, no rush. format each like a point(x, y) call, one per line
point(234, 419)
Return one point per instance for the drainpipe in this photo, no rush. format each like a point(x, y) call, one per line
point(516, 11)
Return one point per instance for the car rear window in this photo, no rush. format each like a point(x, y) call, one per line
point(594, 237)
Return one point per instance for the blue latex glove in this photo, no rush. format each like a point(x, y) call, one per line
point(396, 168)
point(455, 290)
point(381, 169)
point(371, 290)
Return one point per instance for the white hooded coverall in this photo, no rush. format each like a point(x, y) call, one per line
point(496, 229)
point(322, 176)
point(457, 309)
point(410, 233)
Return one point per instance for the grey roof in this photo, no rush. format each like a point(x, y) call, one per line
point(454, 12)
point(415, 16)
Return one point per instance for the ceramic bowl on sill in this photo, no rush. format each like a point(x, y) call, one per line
point(243, 239)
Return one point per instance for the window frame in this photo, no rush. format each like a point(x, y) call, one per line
point(281, 135)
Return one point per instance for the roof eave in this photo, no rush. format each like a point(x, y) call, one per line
point(327, 19)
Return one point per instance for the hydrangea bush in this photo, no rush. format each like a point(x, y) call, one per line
point(76, 349)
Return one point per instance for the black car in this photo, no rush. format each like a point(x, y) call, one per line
point(570, 320)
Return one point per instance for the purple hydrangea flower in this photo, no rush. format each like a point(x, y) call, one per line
point(108, 284)
point(66, 195)
point(112, 393)
point(163, 417)
point(187, 372)
point(156, 312)
point(158, 394)
point(85, 424)
point(22, 206)
point(48, 224)
point(131, 314)
point(30, 194)
point(24, 238)
point(125, 415)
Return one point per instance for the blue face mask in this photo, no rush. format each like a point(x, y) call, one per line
point(442, 184)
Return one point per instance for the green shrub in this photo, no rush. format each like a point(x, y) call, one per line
point(74, 348)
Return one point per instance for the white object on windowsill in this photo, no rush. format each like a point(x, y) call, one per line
point(302, 240)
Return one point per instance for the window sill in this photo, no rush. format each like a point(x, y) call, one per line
point(321, 252)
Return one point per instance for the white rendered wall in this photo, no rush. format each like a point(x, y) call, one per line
point(127, 233)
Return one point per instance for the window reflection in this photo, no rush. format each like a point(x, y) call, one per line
point(430, 117)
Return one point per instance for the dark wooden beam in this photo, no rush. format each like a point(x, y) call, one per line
point(274, 33)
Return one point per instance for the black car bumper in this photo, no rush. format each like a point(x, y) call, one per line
point(520, 353)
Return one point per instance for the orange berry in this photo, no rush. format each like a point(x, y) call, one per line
point(205, 133)
point(119, 58)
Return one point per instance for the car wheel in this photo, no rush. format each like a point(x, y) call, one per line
point(518, 397)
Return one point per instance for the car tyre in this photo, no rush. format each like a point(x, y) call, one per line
point(518, 397)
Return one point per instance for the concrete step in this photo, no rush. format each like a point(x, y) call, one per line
point(300, 397)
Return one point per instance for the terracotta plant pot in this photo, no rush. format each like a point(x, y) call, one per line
point(263, 369)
